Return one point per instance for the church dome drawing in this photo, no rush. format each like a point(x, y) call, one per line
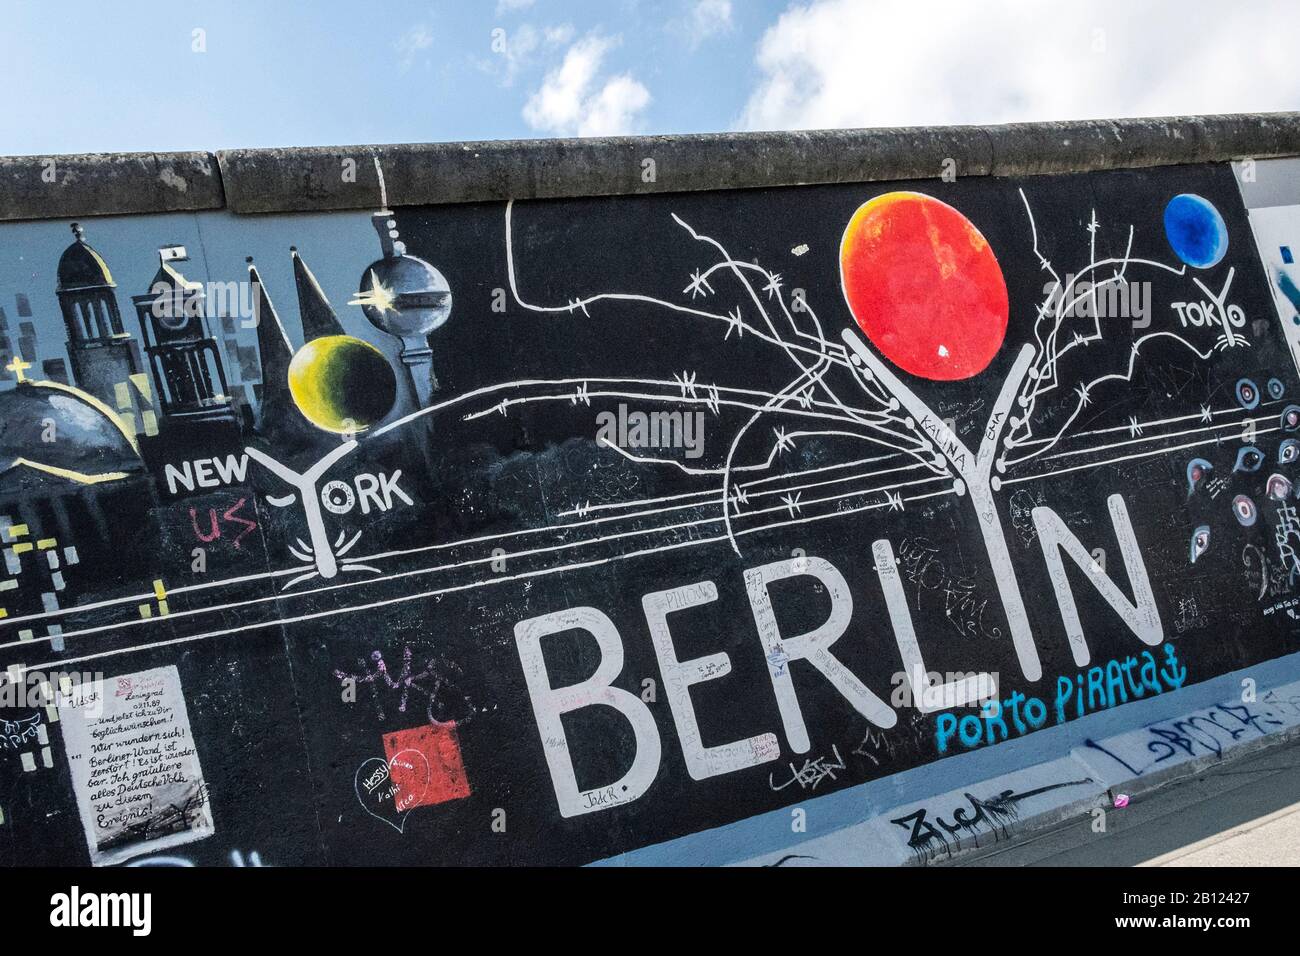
point(53, 431)
point(81, 267)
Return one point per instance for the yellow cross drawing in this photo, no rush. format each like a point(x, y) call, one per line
point(18, 366)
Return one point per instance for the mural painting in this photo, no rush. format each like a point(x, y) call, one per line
point(543, 532)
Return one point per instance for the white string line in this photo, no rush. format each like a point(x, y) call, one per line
point(702, 504)
point(1062, 308)
point(146, 596)
point(185, 589)
point(818, 378)
point(1046, 265)
point(581, 393)
point(1083, 391)
point(777, 447)
point(585, 509)
point(1236, 409)
point(798, 331)
point(758, 466)
point(818, 375)
point(1054, 383)
point(486, 390)
point(456, 565)
point(686, 400)
point(731, 453)
point(317, 615)
point(736, 263)
point(1147, 439)
point(815, 374)
point(378, 556)
point(1049, 355)
point(1046, 369)
point(1111, 461)
point(582, 304)
point(827, 347)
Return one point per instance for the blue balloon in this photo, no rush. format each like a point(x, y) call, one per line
point(1195, 231)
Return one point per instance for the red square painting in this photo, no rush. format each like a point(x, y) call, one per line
point(425, 765)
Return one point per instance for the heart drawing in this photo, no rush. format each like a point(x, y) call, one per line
point(390, 789)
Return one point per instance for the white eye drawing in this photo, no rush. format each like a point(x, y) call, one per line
point(1200, 542)
point(1249, 459)
point(1247, 394)
point(1198, 469)
point(1245, 511)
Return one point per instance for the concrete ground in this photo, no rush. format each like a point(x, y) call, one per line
point(1242, 812)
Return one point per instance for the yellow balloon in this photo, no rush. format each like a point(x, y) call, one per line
point(342, 384)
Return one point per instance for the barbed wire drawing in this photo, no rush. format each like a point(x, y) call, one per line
point(897, 451)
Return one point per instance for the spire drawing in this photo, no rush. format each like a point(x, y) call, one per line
point(274, 353)
point(405, 296)
point(318, 318)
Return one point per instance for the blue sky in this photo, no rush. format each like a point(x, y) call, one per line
point(84, 75)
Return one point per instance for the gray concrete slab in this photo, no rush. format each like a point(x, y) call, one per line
point(1242, 812)
point(315, 179)
point(284, 180)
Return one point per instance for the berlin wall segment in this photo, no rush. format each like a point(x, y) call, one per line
point(546, 531)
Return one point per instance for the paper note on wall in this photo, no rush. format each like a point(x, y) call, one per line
point(134, 765)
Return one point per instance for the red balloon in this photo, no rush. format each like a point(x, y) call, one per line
point(924, 286)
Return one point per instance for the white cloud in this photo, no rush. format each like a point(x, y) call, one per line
point(706, 19)
point(560, 34)
point(509, 6)
point(575, 100)
point(410, 45)
point(519, 48)
point(847, 63)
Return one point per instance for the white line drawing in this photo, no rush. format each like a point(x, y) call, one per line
point(840, 391)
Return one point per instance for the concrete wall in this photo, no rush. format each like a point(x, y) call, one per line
point(837, 497)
